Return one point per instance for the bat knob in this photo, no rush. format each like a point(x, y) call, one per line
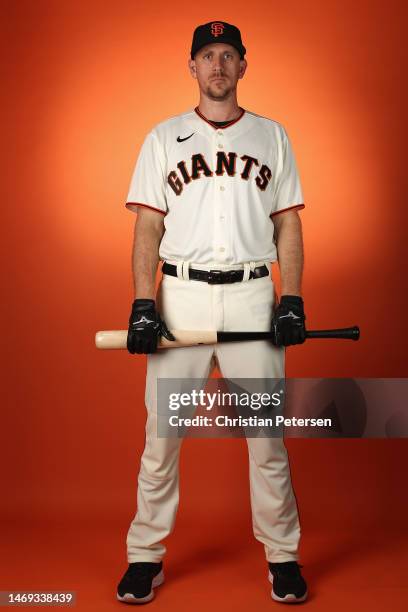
point(355, 331)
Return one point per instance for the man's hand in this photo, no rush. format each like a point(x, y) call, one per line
point(288, 323)
point(145, 328)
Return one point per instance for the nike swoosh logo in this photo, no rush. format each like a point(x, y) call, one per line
point(182, 139)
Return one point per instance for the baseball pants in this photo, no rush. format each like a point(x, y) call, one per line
point(194, 305)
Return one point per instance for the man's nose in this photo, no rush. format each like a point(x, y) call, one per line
point(217, 64)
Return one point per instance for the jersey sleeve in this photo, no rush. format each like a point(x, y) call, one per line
point(147, 186)
point(287, 188)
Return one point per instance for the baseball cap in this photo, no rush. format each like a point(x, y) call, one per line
point(217, 32)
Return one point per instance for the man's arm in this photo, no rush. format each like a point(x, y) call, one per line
point(149, 229)
point(145, 323)
point(289, 243)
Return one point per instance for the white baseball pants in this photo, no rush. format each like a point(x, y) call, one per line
point(194, 305)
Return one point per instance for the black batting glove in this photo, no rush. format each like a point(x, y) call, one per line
point(288, 323)
point(145, 328)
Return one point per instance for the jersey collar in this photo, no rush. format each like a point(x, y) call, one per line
point(217, 127)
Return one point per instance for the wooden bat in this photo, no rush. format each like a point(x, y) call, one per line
point(116, 339)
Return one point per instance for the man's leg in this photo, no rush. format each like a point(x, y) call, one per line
point(183, 305)
point(248, 307)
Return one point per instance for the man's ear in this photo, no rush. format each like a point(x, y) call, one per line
point(192, 68)
point(242, 67)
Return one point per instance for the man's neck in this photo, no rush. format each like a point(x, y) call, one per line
point(225, 110)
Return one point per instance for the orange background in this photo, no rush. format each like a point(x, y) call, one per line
point(84, 83)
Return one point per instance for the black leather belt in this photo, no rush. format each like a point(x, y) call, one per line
point(217, 277)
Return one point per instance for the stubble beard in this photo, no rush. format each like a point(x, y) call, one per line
point(216, 93)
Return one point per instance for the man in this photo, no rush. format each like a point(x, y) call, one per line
point(217, 194)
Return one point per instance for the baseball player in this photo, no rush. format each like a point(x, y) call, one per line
point(217, 196)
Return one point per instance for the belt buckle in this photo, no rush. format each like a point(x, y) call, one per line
point(214, 277)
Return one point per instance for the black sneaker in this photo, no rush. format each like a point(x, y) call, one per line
point(288, 584)
point(138, 581)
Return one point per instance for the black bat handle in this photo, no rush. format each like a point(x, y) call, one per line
point(348, 333)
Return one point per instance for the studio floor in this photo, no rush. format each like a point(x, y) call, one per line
point(226, 571)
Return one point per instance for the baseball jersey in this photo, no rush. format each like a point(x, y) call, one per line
point(218, 188)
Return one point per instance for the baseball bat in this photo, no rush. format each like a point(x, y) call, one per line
point(116, 339)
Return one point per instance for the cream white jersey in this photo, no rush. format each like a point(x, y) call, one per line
point(218, 188)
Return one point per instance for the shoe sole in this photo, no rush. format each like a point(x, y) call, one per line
point(131, 599)
point(290, 598)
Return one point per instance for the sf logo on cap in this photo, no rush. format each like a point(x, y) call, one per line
point(217, 28)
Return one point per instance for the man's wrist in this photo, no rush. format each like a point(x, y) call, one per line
point(291, 298)
point(143, 304)
point(294, 292)
point(145, 296)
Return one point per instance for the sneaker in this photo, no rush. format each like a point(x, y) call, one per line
point(138, 581)
point(288, 584)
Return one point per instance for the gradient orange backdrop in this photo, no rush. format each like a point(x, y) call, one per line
point(83, 83)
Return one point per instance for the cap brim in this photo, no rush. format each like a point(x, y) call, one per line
point(228, 41)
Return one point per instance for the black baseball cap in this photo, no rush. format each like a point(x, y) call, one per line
point(217, 32)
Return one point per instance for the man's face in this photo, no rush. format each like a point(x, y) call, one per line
point(217, 67)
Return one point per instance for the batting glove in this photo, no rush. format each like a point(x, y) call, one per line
point(145, 328)
point(288, 323)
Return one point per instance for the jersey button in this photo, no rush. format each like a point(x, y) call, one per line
point(222, 217)
point(222, 188)
point(220, 146)
point(222, 249)
point(220, 133)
